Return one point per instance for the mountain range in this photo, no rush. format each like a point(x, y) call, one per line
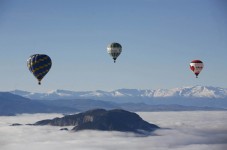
point(63, 101)
point(183, 92)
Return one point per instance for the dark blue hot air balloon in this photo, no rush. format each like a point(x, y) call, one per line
point(39, 65)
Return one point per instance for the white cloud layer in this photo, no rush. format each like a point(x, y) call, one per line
point(188, 131)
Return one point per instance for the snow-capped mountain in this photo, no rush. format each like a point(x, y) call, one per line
point(185, 92)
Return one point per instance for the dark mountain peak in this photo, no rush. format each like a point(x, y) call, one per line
point(101, 119)
point(96, 111)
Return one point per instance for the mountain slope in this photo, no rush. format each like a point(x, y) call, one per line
point(11, 104)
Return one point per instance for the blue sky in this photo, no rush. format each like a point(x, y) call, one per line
point(159, 39)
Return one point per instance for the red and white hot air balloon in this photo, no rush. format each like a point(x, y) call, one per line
point(196, 66)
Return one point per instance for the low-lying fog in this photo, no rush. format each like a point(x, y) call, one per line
point(195, 130)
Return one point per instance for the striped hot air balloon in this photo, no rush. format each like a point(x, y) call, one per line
point(196, 66)
point(39, 65)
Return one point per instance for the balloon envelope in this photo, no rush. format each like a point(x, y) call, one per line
point(114, 49)
point(196, 66)
point(39, 65)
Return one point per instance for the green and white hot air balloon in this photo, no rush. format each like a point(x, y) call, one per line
point(114, 49)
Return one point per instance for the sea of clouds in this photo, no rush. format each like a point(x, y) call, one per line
point(195, 130)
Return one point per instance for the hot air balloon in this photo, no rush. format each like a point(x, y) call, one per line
point(114, 49)
point(39, 65)
point(196, 66)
